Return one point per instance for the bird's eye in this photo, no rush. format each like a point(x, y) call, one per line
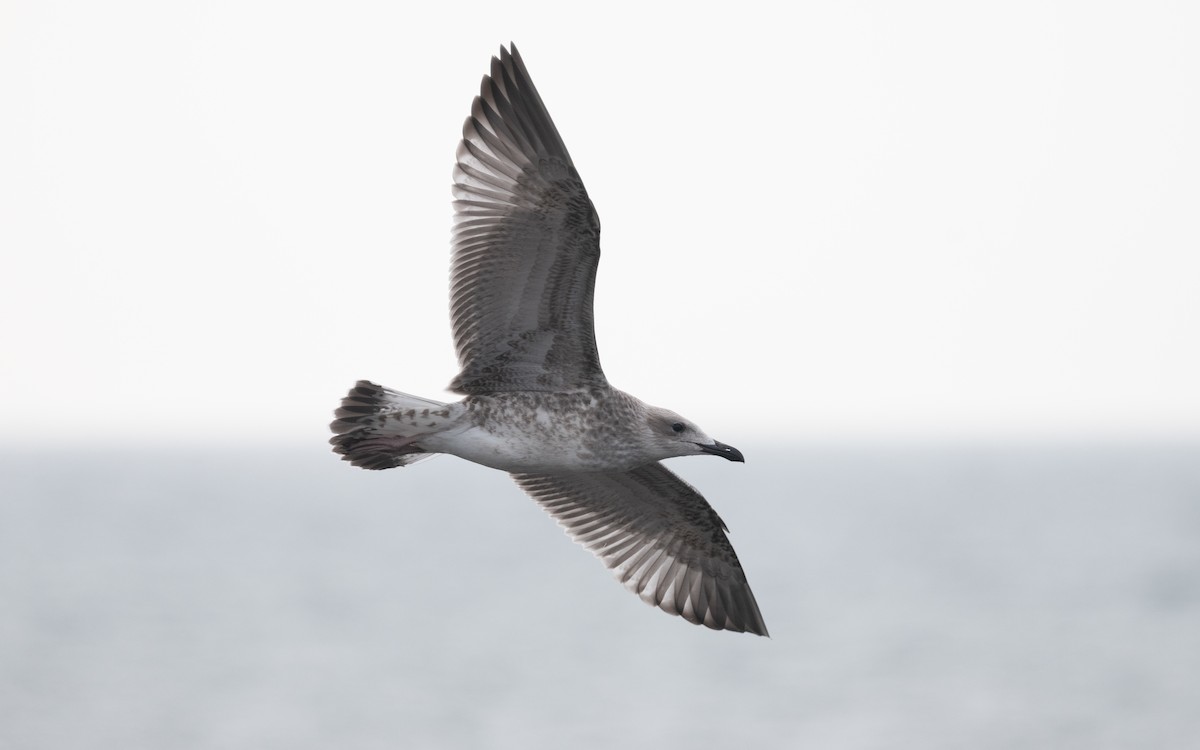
point(678, 427)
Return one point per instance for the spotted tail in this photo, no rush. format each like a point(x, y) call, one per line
point(379, 428)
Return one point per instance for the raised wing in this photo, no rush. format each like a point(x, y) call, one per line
point(526, 247)
point(660, 538)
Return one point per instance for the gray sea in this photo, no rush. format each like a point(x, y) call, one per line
point(924, 597)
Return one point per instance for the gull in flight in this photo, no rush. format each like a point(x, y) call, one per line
point(526, 244)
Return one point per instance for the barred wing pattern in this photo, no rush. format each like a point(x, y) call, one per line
point(660, 537)
point(526, 247)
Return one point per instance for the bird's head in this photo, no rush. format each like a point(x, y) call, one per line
point(672, 435)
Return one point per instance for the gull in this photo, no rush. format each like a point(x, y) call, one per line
point(526, 245)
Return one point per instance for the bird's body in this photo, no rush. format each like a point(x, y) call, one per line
point(595, 429)
point(572, 431)
point(537, 404)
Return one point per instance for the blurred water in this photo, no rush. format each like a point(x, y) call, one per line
point(1017, 597)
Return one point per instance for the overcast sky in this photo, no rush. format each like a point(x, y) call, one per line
point(844, 219)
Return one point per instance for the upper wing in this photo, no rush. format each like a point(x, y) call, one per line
point(660, 538)
point(526, 247)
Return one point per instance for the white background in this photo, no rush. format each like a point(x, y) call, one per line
point(844, 219)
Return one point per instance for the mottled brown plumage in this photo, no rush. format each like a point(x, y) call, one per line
point(526, 247)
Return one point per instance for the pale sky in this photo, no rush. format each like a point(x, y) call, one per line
point(870, 219)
